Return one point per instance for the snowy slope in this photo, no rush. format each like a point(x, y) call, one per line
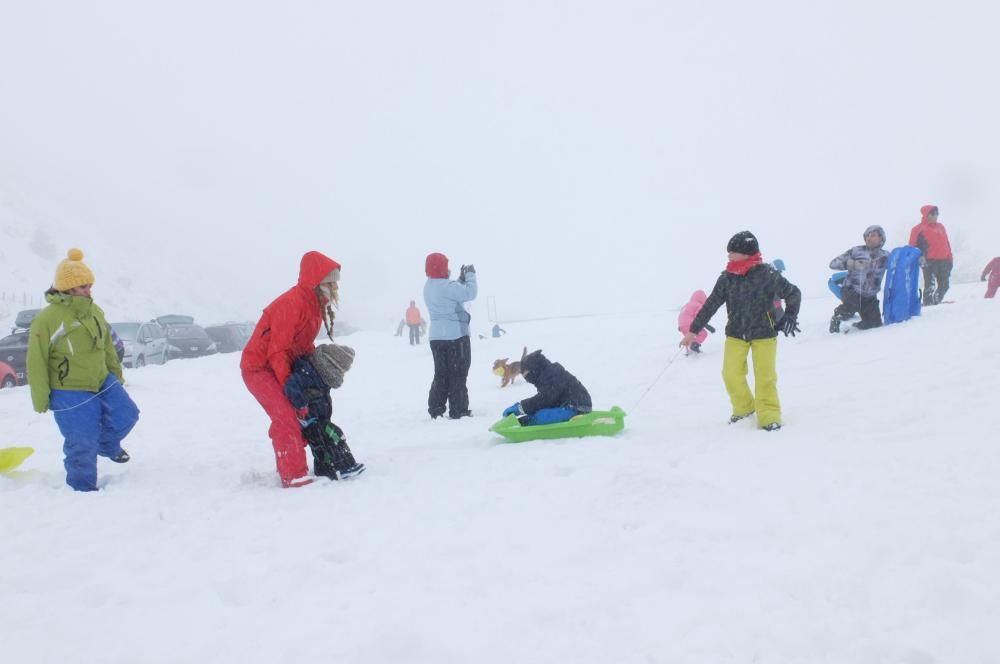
point(864, 531)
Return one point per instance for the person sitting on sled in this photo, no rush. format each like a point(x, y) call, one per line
point(865, 265)
point(308, 390)
point(560, 395)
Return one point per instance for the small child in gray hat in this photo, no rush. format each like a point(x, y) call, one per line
point(308, 390)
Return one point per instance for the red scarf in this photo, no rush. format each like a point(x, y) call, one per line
point(742, 267)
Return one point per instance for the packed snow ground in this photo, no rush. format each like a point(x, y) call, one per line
point(864, 531)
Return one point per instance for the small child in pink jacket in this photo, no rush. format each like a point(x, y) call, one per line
point(686, 317)
point(992, 271)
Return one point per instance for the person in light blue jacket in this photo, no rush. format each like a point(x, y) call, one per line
point(449, 336)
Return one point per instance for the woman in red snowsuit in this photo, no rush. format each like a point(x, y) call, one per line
point(993, 272)
point(286, 332)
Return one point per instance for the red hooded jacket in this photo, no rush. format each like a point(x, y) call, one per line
point(931, 238)
point(289, 325)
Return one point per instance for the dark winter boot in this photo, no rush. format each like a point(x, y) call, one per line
point(835, 324)
point(696, 347)
point(733, 419)
point(121, 457)
point(773, 426)
point(353, 471)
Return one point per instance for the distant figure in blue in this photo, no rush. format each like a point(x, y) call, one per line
point(560, 395)
point(498, 331)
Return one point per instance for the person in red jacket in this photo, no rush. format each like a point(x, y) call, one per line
point(285, 333)
point(993, 271)
point(931, 238)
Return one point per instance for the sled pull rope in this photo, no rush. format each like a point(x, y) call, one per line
point(95, 395)
point(669, 364)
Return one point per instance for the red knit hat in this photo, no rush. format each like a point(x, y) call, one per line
point(436, 266)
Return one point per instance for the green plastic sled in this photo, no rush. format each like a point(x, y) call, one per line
point(594, 423)
point(11, 457)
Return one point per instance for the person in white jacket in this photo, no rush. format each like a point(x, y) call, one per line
point(449, 336)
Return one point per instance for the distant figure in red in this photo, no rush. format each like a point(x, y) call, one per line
point(993, 272)
point(686, 317)
point(936, 260)
point(413, 321)
point(285, 333)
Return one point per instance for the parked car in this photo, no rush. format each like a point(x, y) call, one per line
point(189, 341)
point(8, 376)
point(230, 337)
point(14, 351)
point(174, 319)
point(23, 319)
point(145, 343)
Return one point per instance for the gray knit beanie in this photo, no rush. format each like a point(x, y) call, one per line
point(332, 362)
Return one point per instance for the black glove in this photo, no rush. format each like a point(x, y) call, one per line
point(788, 325)
point(461, 274)
point(470, 268)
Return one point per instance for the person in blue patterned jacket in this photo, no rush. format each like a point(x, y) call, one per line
point(865, 265)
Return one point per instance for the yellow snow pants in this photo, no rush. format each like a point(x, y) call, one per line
point(765, 377)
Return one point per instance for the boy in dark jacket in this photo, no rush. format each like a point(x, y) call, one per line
point(748, 288)
point(865, 265)
point(308, 390)
point(560, 395)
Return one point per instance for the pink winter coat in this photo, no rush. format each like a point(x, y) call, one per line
point(687, 314)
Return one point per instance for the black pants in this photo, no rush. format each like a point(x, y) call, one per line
point(414, 334)
point(854, 302)
point(452, 360)
point(329, 447)
point(937, 279)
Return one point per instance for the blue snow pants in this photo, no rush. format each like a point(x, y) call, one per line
point(552, 415)
point(92, 423)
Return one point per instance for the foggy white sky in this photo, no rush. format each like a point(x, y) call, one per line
point(586, 156)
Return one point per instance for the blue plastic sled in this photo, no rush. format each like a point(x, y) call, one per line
point(901, 297)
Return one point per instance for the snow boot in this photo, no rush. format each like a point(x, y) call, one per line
point(121, 457)
point(773, 426)
point(352, 471)
point(733, 419)
point(297, 483)
point(835, 324)
point(696, 347)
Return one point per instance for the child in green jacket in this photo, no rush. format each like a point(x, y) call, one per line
point(74, 371)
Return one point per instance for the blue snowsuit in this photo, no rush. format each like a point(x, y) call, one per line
point(92, 424)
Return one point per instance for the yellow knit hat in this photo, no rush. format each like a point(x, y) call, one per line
point(72, 272)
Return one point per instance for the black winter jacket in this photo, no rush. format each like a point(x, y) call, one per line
point(556, 386)
point(749, 302)
point(305, 387)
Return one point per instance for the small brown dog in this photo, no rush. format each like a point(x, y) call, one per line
point(508, 371)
